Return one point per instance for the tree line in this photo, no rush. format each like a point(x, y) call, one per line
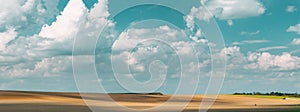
point(270, 94)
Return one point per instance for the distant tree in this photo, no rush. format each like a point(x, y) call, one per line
point(272, 93)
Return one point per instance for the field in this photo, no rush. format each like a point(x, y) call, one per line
point(16, 101)
point(272, 97)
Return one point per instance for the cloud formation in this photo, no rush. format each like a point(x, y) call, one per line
point(295, 29)
point(250, 42)
point(296, 41)
point(230, 22)
point(7, 36)
point(36, 41)
point(67, 24)
point(48, 52)
point(234, 9)
point(27, 15)
point(264, 61)
point(250, 33)
point(291, 9)
point(272, 48)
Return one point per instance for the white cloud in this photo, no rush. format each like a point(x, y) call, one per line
point(100, 10)
point(224, 10)
point(47, 67)
point(54, 66)
point(250, 42)
point(130, 38)
point(255, 41)
point(201, 13)
point(272, 48)
point(67, 24)
point(263, 61)
point(190, 21)
point(291, 9)
point(231, 50)
point(29, 4)
point(81, 24)
point(230, 22)
point(183, 48)
point(234, 57)
point(267, 61)
point(6, 37)
point(48, 55)
point(296, 41)
point(20, 13)
point(6, 12)
point(295, 29)
point(161, 43)
point(250, 33)
point(234, 9)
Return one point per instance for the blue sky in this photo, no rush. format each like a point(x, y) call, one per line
point(261, 39)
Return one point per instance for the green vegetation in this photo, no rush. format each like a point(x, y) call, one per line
point(276, 95)
point(155, 93)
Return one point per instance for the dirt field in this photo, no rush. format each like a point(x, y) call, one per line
point(13, 101)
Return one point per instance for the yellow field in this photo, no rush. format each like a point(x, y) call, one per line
point(12, 101)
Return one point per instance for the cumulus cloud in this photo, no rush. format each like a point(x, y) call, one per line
point(67, 24)
point(267, 61)
point(130, 38)
point(70, 22)
point(200, 13)
point(234, 56)
point(224, 10)
point(6, 12)
point(82, 25)
point(47, 67)
point(232, 50)
point(136, 49)
point(263, 61)
point(48, 52)
point(27, 15)
point(53, 66)
point(100, 10)
point(6, 37)
point(234, 9)
point(295, 29)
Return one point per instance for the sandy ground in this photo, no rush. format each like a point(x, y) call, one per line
point(13, 101)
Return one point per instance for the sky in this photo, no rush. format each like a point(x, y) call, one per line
point(150, 45)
